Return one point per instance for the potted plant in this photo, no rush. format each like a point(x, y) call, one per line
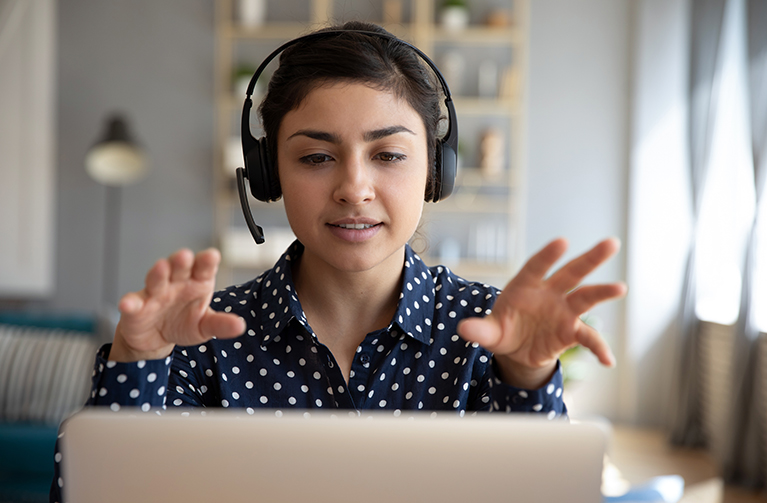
point(454, 15)
point(252, 13)
point(241, 76)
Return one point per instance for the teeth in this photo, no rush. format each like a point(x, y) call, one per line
point(355, 226)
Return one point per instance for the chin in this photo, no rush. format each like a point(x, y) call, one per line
point(359, 260)
point(357, 257)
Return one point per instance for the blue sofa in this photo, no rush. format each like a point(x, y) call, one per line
point(45, 369)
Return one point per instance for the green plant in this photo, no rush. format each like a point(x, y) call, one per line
point(572, 368)
point(241, 71)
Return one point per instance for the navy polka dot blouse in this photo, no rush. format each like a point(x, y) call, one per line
point(417, 362)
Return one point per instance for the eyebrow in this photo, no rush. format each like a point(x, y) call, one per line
point(387, 131)
point(369, 136)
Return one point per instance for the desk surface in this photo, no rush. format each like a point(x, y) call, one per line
point(641, 454)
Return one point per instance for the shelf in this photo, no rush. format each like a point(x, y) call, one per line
point(479, 36)
point(287, 31)
point(473, 177)
point(486, 106)
point(471, 203)
point(472, 269)
point(268, 31)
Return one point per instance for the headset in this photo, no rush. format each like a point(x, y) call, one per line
point(262, 173)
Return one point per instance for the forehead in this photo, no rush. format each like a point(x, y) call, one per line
point(351, 105)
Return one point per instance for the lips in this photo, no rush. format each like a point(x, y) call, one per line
point(355, 229)
point(354, 226)
point(355, 223)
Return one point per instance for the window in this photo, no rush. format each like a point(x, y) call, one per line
point(728, 203)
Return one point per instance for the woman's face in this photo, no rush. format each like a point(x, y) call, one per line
point(353, 166)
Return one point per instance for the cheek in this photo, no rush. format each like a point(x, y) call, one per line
point(299, 199)
point(408, 195)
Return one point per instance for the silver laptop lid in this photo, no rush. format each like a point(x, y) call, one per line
point(235, 457)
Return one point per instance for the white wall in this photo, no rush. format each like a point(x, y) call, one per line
point(577, 150)
point(154, 62)
point(659, 213)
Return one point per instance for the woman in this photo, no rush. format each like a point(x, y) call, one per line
point(350, 317)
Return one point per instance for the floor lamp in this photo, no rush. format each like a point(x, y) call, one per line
point(115, 160)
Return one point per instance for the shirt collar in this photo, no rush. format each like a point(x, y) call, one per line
point(277, 295)
point(279, 304)
point(416, 299)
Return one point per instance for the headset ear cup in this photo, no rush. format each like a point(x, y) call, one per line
point(264, 184)
point(445, 169)
point(433, 186)
point(449, 170)
point(271, 182)
point(265, 169)
point(253, 171)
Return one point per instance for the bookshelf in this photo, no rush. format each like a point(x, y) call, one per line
point(478, 231)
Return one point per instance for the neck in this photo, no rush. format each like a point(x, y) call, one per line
point(347, 304)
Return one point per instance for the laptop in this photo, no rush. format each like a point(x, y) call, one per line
point(318, 456)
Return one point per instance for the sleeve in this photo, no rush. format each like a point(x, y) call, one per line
point(57, 484)
point(496, 396)
point(186, 385)
point(140, 384)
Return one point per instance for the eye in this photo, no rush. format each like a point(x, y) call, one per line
point(315, 159)
point(391, 157)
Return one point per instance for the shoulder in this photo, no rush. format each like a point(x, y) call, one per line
point(240, 298)
point(452, 294)
point(271, 289)
point(453, 290)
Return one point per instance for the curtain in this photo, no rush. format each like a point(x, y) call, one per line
point(27, 147)
point(744, 463)
point(707, 16)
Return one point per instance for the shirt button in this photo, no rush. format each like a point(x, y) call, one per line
point(364, 358)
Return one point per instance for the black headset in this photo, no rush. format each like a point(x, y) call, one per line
point(261, 171)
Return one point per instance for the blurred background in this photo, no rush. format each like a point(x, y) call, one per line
point(640, 119)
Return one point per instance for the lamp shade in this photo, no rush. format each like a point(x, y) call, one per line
point(116, 159)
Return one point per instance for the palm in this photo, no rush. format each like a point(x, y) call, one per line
point(173, 308)
point(537, 325)
point(536, 318)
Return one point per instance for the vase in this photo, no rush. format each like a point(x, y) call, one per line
point(454, 18)
point(252, 13)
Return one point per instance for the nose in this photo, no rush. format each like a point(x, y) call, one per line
point(355, 183)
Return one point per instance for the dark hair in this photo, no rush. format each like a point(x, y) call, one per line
point(382, 63)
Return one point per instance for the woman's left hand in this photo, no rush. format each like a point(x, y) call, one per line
point(535, 319)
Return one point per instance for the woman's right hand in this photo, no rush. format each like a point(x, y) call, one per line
point(173, 308)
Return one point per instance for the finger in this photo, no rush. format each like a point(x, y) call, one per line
point(484, 331)
point(131, 303)
point(157, 278)
point(221, 325)
point(539, 264)
point(181, 265)
point(586, 297)
point(590, 338)
point(206, 265)
point(569, 276)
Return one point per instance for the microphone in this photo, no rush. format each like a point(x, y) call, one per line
point(255, 230)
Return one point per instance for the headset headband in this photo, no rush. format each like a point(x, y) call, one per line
point(451, 136)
